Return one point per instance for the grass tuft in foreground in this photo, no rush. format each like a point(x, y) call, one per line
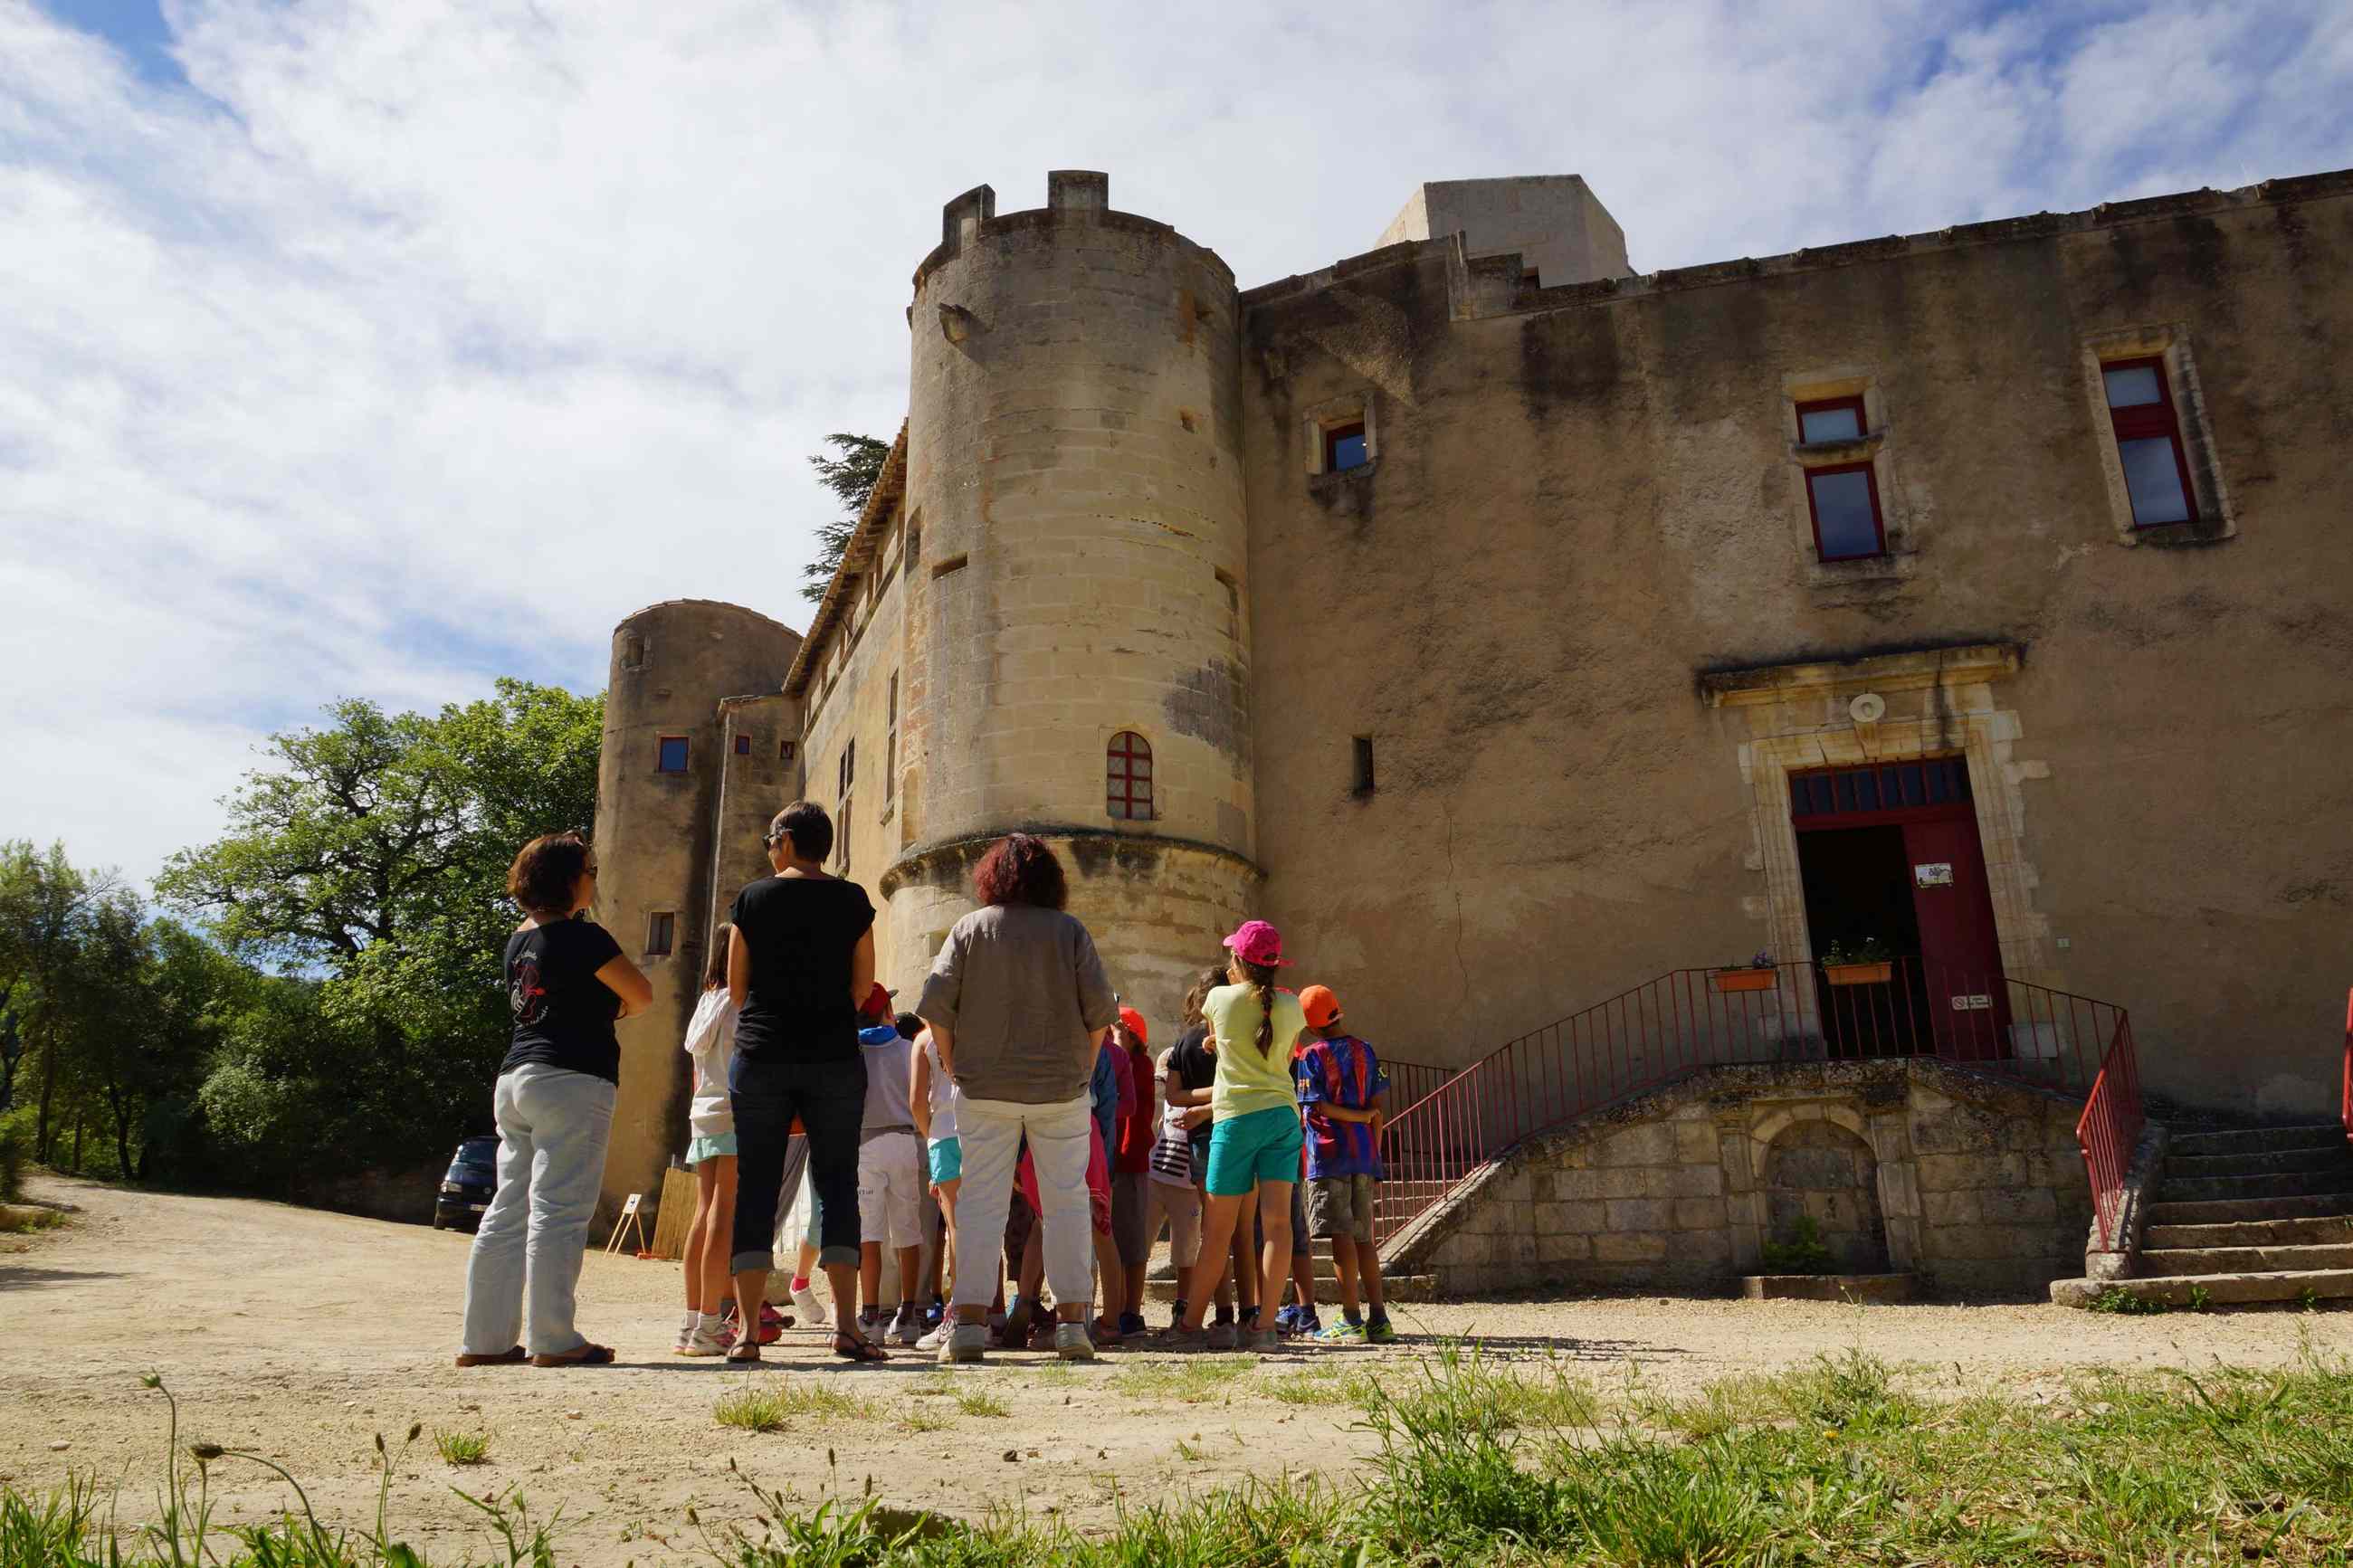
point(772, 1406)
point(462, 1447)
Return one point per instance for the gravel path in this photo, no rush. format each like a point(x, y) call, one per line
point(301, 1334)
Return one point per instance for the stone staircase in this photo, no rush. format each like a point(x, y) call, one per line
point(2260, 1215)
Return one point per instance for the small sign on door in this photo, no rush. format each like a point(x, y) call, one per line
point(1980, 1002)
point(1933, 874)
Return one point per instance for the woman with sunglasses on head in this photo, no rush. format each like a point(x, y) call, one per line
point(567, 984)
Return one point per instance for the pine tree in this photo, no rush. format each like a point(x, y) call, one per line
point(850, 474)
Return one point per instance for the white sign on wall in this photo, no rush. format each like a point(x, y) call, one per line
point(1934, 874)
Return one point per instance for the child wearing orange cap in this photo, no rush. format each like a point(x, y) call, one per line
point(1340, 1085)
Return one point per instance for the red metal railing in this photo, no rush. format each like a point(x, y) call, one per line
point(2345, 1107)
point(2109, 1129)
point(1695, 1018)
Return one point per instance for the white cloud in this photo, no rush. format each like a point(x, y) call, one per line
point(424, 339)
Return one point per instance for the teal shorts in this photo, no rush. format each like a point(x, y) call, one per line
point(1260, 1146)
point(719, 1145)
point(947, 1160)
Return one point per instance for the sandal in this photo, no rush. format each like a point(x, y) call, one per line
point(515, 1357)
point(744, 1352)
point(859, 1349)
point(586, 1355)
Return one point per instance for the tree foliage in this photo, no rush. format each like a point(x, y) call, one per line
point(850, 472)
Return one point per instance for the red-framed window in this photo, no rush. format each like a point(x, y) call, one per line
point(1843, 499)
point(1831, 419)
point(2148, 442)
point(670, 754)
point(1127, 777)
point(743, 745)
point(1344, 448)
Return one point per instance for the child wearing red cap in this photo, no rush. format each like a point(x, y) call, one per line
point(1340, 1084)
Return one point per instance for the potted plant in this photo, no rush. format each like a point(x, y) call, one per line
point(1757, 975)
point(1864, 963)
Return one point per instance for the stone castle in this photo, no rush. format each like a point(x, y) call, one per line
point(1511, 627)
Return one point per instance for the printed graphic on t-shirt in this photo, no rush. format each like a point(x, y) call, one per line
point(525, 995)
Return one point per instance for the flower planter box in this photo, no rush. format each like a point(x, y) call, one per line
point(1858, 973)
point(1745, 979)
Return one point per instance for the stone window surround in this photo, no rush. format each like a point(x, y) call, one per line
point(1150, 737)
point(1332, 413)
point(1895, 517)
point(1799, 719)
point(2169, 342)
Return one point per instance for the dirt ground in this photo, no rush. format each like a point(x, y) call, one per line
point(302, 1335)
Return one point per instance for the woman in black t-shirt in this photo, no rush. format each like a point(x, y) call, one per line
point(566, 985)
point(801, 960)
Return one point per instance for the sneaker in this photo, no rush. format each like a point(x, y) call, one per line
point(1013, 1330)
point(1377, 1332)
point(1132, 1324)
point(685, 1332)
point(934, 1338)
point(698, 1344)
point(1071, 1342)
point(966, 1343)
point(1343, 1332)
point(1307, 1325)
point(1223, 1335)
point(935, 1313)
point(811, 1309)
point(1177, 1337)
point(1264, 1341)
point(870, 1322)
point(1286, 1321)
point(1042, 1336)
point(907, 1324)
point(1176, 1314)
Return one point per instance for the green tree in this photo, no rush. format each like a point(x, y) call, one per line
point(372, 857)
point(50, 911)
point(850, 472)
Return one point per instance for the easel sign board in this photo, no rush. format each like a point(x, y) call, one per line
point(627, 1223)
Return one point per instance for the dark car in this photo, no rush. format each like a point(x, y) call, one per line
point(465, 1189)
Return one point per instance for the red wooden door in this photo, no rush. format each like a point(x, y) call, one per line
point(1960, 953)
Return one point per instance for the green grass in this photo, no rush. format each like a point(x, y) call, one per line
point(25, 1221)
point(462, 1447)
point(1195, 1381)
point(2117, 1299)
point(980, 1401)
point(1495, 1464)
point(772, 1406)
point(919, 1417)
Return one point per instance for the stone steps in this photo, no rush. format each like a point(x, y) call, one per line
point(1394, 1288)
point(2257, 1140)
point(2201, 1260)
point(2217, 1289)
point(2232, 1211)
point(2263, 1162)
point(2319, 1231)
point(2176, 1189)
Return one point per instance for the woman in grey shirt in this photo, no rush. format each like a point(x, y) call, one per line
point(1016, 1001)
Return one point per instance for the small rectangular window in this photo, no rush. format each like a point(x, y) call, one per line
point(670, 754)
point(1845, 503)
point(662, 930)
point(845, 770)
point(842, 827)
point(743, 745)
point(890, 742)
point(1344, 448)
point(1364, 764)
point(1831, 419)
point(785, 750)
point(2148, 442)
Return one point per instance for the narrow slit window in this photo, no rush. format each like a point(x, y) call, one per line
point(1364, 764)
point(1127, 777)
point(785, 750)
point(670, 754)
point(1344, 448)
point(662, 932)
point(890, 743)
point(2148, 442)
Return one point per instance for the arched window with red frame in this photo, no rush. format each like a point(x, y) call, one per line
point(1127, 777)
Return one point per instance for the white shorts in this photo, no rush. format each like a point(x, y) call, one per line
point(891, 1188)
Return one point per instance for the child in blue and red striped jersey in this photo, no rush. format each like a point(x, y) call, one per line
point(1340, 1086)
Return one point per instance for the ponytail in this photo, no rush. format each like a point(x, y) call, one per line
point(1261, 978)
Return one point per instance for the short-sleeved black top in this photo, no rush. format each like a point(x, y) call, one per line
point(800, 932)
point(563, 1013)
point(1195, 1067)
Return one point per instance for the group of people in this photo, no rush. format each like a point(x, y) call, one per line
point(1014, 1110)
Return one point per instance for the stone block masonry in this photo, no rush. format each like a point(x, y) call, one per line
point(1971, 1180)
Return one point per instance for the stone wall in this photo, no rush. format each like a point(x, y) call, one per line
point(1976, 1184)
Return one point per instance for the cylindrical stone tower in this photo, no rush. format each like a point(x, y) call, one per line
point(1075, 484)
point(669, 769)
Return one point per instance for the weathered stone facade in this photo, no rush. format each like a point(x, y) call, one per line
point(1971, 1180)
point(1501, 720)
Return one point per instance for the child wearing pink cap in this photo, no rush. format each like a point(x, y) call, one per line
point(1254, 1132)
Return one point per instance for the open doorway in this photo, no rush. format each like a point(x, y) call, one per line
point(1889, 855)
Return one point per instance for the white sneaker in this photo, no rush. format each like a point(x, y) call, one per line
point(811, 1309)
point(907, 1324)
point(1071, 1342)
point(698, 1344)
point(965, 1341)
point(935, 1338)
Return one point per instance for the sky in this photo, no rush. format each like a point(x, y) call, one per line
point(383, 347)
